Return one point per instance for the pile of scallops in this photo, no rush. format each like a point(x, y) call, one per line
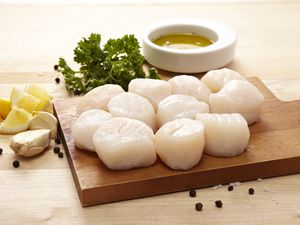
point(177, 120)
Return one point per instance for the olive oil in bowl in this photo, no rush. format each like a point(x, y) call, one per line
point(183, 41)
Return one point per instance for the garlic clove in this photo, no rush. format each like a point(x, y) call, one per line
point(44, 120)
point(30, 143)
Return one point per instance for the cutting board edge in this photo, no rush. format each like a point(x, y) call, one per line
point(69, 158)
point(91, 196)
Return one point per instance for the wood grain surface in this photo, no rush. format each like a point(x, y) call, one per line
point(42, 190)
point(273, 150)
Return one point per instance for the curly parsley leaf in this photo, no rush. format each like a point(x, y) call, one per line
point(118, 62)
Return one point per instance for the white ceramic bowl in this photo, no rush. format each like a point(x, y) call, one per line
point(196, 60)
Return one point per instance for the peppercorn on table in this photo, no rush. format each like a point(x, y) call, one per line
point(42, 191)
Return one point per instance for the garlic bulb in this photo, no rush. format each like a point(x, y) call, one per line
point(44, 120)
point(30, 143)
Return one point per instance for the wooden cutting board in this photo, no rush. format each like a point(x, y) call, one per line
point(274, 150)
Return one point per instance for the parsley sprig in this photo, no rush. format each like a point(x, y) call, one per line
point(118, 62)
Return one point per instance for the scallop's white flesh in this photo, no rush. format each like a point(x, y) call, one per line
point(216, 79)
point(98, 97)
point(133, 106)
point(238, 96)
point(179, 106)
point(190, 85)
point(180, 143)
point(151, 89)
point(124, 143)
point(85, 125)
point(226, 135)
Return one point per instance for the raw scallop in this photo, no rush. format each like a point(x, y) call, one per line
point(124, 143)
point(216, 79)
point(98, 97)
point(238, 96)
point(179, 106)
point(189, 85)
point(151, 89)
point(180, 143)
point(85, 125)
point(133, 106)
point(226, 135)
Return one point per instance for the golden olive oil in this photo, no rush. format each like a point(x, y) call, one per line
point(183, 41)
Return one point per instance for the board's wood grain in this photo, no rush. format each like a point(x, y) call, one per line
point(274, 150)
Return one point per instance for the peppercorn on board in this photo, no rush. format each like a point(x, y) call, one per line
point(273, 150)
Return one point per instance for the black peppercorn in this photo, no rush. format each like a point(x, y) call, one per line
point(77, 92)
point(16, 163)
point(56, 149)
point(199, 206)
point(1, 150)
point(57, 80)
point(219, 203)
point(193, 193)
point(60, 155)
point(57, 140)
point(230, 188)
point(55, 67)
point(251, 191)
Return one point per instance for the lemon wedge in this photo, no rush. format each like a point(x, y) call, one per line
point(17, 120)
point(23, 100)
point(4, 107)
point(40, 94)
point(49, 108)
